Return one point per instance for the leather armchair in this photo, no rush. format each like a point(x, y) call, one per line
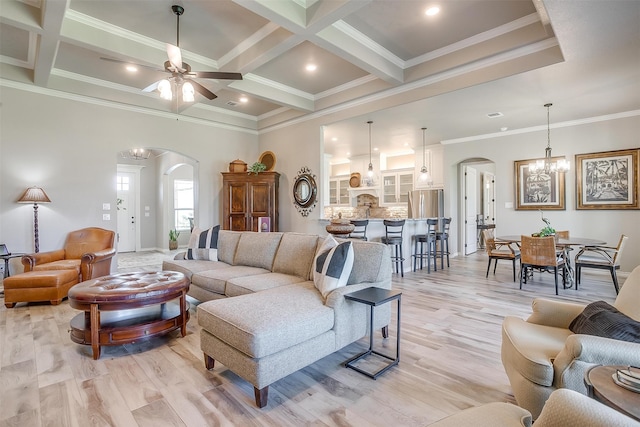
point(541, 354)
point(88, 251)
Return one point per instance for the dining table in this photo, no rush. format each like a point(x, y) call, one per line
point(563, 243)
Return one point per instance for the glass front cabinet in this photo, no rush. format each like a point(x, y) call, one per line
point(339, 191)
point(396, 186)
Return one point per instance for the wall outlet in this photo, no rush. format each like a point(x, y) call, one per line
point(106, 217)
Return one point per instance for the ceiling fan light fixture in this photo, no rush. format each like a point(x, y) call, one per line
point(164, 87)
point(188, 92)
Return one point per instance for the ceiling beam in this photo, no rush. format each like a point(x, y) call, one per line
point(47, 47)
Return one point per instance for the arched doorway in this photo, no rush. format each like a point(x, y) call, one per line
point(146, 198)
point(477, 201)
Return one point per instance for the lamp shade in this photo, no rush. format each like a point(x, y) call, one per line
point(34, 195)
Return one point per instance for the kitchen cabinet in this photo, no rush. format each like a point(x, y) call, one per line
point(396, 186)
point(247, 197)
point(339, 191)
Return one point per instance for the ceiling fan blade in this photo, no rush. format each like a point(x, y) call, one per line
point(203, 90)
point(130, 63)
point(219, 75)
point(152, 87)
point(175, 57)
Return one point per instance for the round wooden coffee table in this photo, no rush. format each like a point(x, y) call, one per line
point(123, 308)
point(600, 386)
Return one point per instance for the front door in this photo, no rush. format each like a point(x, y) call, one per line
point(126, 205)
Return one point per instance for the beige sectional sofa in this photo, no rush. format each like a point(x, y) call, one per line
point(277, 321)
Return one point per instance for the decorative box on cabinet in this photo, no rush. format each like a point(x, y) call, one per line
point(247, 197)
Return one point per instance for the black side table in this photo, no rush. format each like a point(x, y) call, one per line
point(374, 297)
point(6, 259)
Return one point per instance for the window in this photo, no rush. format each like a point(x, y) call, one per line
point(183, 203)
point(122, 183)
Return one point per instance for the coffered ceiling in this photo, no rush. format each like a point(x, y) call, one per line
point(470, 59)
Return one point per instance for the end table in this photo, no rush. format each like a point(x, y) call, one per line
point(374, 297)
point(600, 386)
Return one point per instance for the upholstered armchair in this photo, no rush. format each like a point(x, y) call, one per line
point(88, 251)
point(565, 408)
point(541, 354)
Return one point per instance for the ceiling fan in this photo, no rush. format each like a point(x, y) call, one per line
point(181, 84)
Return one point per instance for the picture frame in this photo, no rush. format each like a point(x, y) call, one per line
point(264, 224)
point(539, 190)
point(607, 180)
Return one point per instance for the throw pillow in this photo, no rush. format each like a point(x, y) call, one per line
point(333, 265)
point(203, 244)
point(603, 320)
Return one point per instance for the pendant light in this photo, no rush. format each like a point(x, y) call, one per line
point(546, 165)
point(370, 178)
point(425, 176)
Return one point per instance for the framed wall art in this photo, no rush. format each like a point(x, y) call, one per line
point(607, 180)
point(538, 189)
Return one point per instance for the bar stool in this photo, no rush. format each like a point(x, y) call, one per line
point(360, 230)
point(393, 236)
point(430, 239)
point(443, 237)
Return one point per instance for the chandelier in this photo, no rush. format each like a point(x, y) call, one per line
point(136, 154)
point(370, 179)
point(425, 176)
point(547, 164)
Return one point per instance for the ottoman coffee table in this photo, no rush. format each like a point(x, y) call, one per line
point(123, 308)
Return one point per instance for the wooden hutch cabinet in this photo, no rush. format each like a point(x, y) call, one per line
point(248, 197)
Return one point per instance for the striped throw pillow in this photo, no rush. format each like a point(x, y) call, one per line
point(203, 244)
point(333, 264)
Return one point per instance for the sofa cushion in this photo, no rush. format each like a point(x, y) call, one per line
point(203, 244)
point(250, 284)
point(333, 265)
point(63, 264)
point(227, 245)
point(603, 320)
point(265, 323)
point(190, 267)
point(216, 280)
point(295, 254)
point(367, 267)
point(531, 348)
point(257, 249)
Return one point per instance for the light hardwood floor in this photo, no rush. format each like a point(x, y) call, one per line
point(450, 360)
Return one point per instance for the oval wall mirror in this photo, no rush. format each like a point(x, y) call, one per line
point(305, 191)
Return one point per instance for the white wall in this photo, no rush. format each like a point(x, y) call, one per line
point(70, 149)
point(606, 225)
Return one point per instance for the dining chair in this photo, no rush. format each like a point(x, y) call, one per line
point(428, 238)
point(602, 257)
point(360, 229)
point(563, 251)
point(540, 253)
point(497, 251)
point(393, 237)
point(443, 238)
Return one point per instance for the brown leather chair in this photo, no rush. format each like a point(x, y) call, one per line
point(88, 251)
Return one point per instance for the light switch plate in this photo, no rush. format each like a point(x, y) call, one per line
point(146, 208)
point(146, 214)
point(106, 217)
point(106, 206)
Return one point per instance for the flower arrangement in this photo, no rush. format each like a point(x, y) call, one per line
point(256, 168)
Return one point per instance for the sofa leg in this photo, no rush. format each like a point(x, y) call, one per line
point(9, 304)
point(209, 362)
point(261, 396)
point(385, 331)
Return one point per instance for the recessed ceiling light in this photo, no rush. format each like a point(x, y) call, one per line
point(375, 148)
point(131, 68)
point(348, 153)
point(504, 128)
point(334, 139)
point(244, 99)
point(432, 11)
point(311, 67)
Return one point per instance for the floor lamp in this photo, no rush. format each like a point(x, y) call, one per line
point(35, 195)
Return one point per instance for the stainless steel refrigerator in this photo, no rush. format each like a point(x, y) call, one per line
point(426, 204)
